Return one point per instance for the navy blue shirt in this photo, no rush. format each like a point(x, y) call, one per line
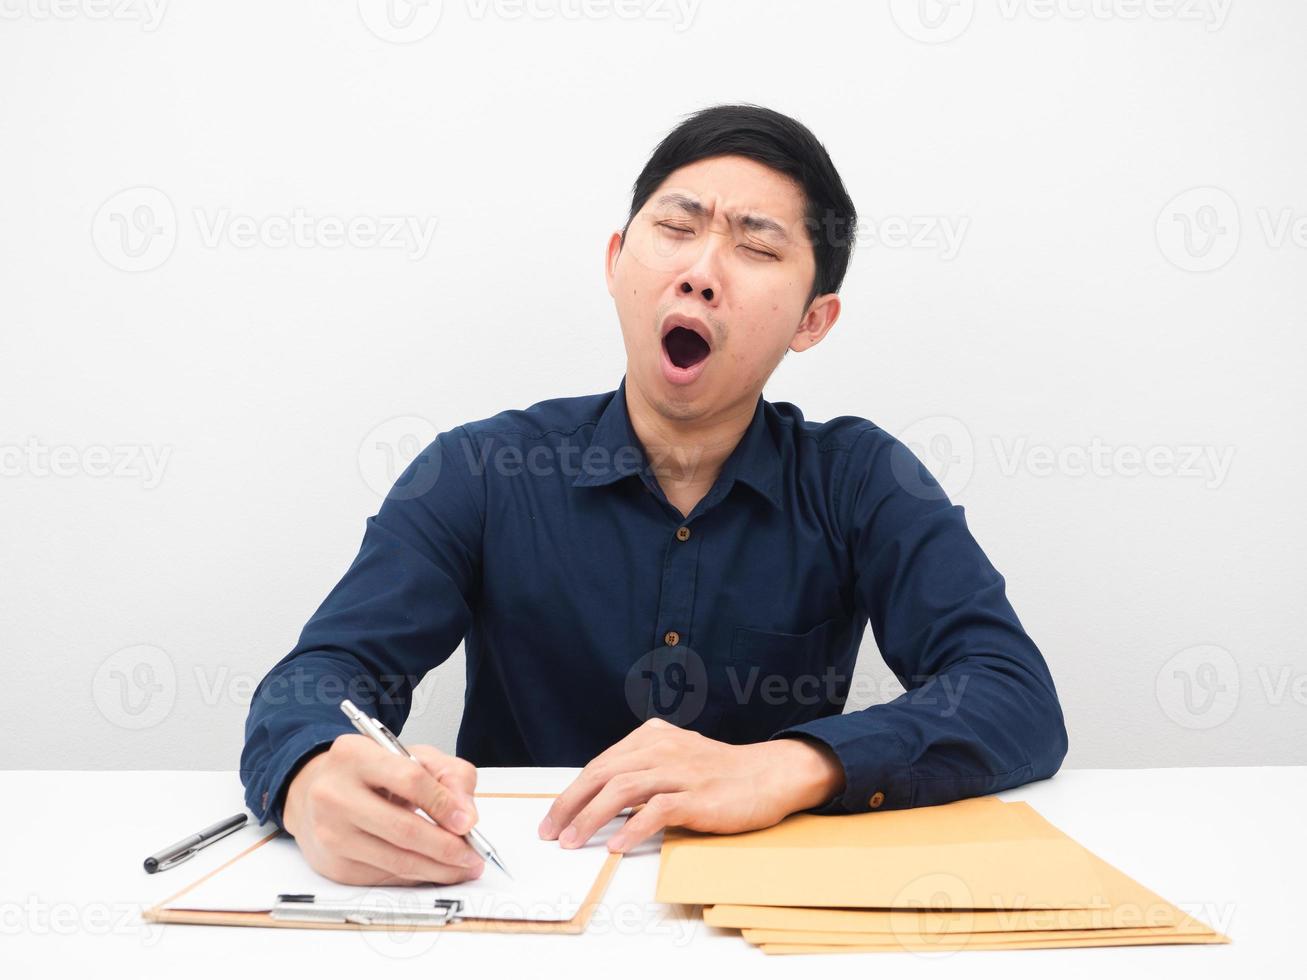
point(589, 604)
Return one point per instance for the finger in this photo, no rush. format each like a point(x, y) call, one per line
point(661, 811)
point(349, 872)
point(634, 740)
point(449, 769)
point(622, 791)
point(589, 782)
point(405, 866)
point(413, 783)
point(400, 826)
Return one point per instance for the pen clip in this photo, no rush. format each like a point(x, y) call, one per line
point(392, 738)
point(199, 844)
point(176, 859)
point(373, 728)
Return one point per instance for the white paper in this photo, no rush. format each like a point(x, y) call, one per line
point(549, 881)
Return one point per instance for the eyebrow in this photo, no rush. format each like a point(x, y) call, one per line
point(754, 222)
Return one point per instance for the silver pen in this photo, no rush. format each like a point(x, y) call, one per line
point(384, 737)
point(186, 848)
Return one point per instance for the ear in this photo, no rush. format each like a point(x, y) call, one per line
point(822, 313)
point(610, 259)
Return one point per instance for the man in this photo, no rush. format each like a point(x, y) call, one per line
point(667, 583)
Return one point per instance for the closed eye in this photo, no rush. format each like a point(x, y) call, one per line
point(689, 231)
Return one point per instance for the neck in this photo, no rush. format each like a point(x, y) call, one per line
point(687, 455)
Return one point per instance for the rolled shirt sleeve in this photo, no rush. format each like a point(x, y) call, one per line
point(402, 607)
point(979, 712)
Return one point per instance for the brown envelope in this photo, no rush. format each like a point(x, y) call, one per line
point(976, 853)
point(1110, 939)
point(1124, 913)
point(1125, 904)
point(759, 936)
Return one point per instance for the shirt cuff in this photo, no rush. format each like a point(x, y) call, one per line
point(265, 795)
point(876, 771)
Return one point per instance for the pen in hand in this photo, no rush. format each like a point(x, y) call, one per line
point(383, 736)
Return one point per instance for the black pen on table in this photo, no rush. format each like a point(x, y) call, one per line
point(186, 848)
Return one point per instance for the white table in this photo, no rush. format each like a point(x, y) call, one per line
point(1225, 844)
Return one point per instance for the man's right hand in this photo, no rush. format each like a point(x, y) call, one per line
point(348, 808)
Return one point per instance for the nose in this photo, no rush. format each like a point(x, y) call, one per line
point(686, 287)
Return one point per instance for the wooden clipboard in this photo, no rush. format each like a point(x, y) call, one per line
point(572, 926)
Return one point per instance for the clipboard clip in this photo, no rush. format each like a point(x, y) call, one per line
point(307, 908)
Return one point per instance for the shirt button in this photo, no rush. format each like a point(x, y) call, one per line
point(682, 534)
point(877, 798)
point(264, 801)
point(671, 638)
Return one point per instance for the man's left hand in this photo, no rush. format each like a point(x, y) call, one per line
point(688, 780)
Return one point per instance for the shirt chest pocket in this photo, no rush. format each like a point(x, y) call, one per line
point(775, 679)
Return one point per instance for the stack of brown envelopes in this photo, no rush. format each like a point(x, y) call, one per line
point(975, 874)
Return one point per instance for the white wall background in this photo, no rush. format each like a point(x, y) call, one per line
point(1046, 305)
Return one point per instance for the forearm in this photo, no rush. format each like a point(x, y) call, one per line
point(980, 712)
point(978, 728)
point(400, 610)
point(295, 711)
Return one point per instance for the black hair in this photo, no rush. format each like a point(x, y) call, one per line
point(777, 141)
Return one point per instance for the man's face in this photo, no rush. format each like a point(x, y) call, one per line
point(733, 230)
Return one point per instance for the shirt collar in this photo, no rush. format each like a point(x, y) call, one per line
point(615, 452)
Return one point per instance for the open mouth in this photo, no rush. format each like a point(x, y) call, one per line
point(685, 348)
